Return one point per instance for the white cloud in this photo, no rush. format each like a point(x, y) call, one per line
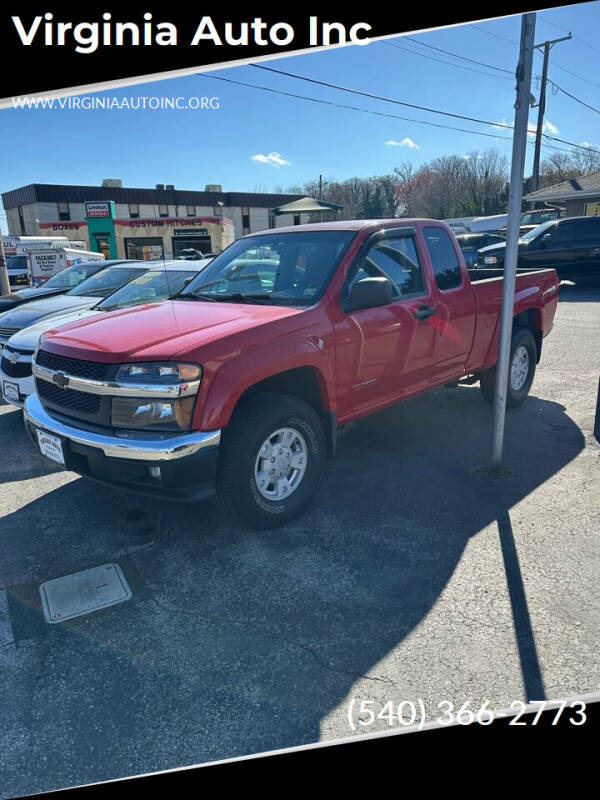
point(549, 127)
point(406, 142)
point(275, 159)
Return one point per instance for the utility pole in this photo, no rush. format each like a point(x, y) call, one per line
point(523, 76)
point(4, 282)
point(542, 108)
point(321, 193)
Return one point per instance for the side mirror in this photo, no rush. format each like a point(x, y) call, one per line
point(368, 293)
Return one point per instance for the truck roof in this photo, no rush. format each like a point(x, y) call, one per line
point(348, 225)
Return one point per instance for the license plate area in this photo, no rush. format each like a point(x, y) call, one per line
point(50, 446)
point(10, 390)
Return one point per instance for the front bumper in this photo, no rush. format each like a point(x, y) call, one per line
point(25, 387)
point(187, 461)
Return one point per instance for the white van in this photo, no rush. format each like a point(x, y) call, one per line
point(17, 249)
point(491, 224)
point(43, 264)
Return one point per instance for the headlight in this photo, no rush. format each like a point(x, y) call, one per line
point(151, 412)
point(168, 415)
point(159, 372)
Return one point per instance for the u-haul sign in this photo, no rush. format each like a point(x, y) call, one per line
point(97, 209)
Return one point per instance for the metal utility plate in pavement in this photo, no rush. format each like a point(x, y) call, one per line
point(83, 592)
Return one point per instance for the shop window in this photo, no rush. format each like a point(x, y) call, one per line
point(134, 211)
point(63, 211)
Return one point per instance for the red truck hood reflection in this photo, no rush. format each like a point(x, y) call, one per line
point(158, 330)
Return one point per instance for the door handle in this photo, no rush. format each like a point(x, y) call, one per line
point(423, 312)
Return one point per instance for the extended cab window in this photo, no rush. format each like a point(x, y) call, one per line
point(394, 259)
point(443, 258)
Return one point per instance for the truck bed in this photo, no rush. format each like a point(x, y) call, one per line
point(536, 292)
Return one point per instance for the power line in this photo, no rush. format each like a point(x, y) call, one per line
point(573, 97)
point(362, 110)
point(575, 35)
point(352, 108)
point(381, 97)
point(495, 35)
point(414, 105)
point(456, 55)
point(554, 63)
point(443, 61)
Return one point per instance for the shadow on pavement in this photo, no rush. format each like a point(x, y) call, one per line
point(236, 641)
point(570, 293)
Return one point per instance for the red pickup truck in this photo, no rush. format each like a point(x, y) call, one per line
point(238, 386)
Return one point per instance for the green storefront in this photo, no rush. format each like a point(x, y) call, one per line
point(100, 218)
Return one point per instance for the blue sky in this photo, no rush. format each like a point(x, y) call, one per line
point(257, 141)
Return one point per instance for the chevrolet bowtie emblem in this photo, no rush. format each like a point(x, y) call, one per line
point(60, 379)
point(13, 358)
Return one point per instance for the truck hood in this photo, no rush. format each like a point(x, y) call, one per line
point(159, 330)
point(31, 313)
point(27, 338)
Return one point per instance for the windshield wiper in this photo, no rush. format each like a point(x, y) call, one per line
point(194, 296)
point(237, 297)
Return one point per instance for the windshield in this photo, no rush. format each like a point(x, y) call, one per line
point(69, 277)
point(16, 262)
point(147, 288)
point(537, 231)
point(106, 281)
point(536, 217)
point(276, 268)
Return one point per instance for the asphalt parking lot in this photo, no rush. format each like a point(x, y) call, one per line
point(410, 577)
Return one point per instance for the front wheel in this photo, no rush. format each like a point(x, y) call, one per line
point(271, 458)
point(521, 370)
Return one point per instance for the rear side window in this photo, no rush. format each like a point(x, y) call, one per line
point(443, 258)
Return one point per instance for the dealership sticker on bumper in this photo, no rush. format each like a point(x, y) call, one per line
point(10, 391)
point(50, 446)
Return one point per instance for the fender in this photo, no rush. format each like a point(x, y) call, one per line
point(529, 300)
point(229, 381)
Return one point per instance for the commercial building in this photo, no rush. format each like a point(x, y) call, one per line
point(143, 223)
point(579, 196)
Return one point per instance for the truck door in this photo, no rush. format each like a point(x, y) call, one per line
point(386, 352)
point(454, 302)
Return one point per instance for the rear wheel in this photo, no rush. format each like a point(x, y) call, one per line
point(271, 459)
point(521, 370)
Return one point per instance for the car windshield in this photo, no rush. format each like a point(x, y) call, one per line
point(538, 231)
point(106, 281)
point(536, 217)
point(69, 277)
point(16, 262)
point(277, 268)
point(147, 288)
point(469, 242)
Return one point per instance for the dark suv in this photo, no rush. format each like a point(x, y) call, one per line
point(570, 245)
